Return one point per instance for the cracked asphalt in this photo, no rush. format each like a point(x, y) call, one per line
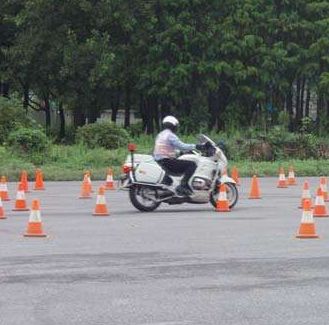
point(179, 265)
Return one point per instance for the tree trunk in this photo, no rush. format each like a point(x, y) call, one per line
point(47, 113)
point(149, 117)
point(62, 121)
point(302, 92)
point(289, 105)
point(212, 111)
point(4, 89)
point(26, 98)
point(319, 109)
point(165, 107)
point(155, 104)
point(298, 112)
point(142, 112)
point(127, 108)
point(307, 102)
point(222, 100)
point(115, 102)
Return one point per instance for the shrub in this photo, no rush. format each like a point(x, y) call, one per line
point(12, 116)
point(102, 134)
point(29, 142)
point(136, 129)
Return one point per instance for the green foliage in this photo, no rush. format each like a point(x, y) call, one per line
point(136, 129)
point(283, 120)
point(103, 134)
point(226, 64)
point(12, 116)
point(307, 125)
point(28, 142)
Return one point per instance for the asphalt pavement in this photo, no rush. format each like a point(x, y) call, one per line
point(179, 265)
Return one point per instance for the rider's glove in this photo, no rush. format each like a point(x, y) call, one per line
point(200, 147)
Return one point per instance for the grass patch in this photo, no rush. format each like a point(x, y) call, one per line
point(69, 163)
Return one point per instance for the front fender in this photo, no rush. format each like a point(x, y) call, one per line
point(225, 179)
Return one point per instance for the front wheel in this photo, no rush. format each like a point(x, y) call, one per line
point(231, 192)
point(143, 198)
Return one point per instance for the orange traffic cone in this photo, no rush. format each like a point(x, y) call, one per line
point(24, 181)
point(4, 189)
point(235, 175)
point(34, 227)
point(306, 195)
point(101, 208)
point(254, 190)
point(291, 177)
point(39, 185)
point(20, 204)
point(282, 179)
point(2, 211)
point(307, 227)
point(89, 181)
point(324, 189)
point(109, 185)
point(320, 209)
point(85, 189)
point(222, 204)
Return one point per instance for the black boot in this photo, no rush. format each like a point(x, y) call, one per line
point(183, 190)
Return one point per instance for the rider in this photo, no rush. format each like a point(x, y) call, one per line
point(164, 153)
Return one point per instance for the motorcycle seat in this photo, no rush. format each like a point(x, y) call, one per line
point(168, 172)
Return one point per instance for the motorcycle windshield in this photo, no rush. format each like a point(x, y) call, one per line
point(203, 139)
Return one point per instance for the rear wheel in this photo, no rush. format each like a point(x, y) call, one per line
point(142, 198)
point(231, 192)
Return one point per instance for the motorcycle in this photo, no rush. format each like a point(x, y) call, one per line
point(149, 185)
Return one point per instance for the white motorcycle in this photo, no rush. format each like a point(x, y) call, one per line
point(149, 185)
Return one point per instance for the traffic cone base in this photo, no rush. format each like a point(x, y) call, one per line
point(109, 185)
point(307, 226)
point(222, 204)
point(4, 189)
point(291, 177)
point(34, 229)
point(282, 185)
point(101, 214)
point(282, 179)
point(101, 208)
point(320, 209)
point(20, 203)
point(21, 209)
point(307, 230)
point(85, 197)
point(292, 181)
point(320, 212)
point(306, 195)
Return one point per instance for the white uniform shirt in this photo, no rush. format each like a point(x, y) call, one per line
point(166, 143)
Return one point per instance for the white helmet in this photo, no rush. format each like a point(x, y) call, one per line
point(170, 119)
